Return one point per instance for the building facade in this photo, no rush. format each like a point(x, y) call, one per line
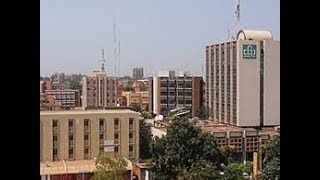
point(170, 91)
point(83, 134)
point(137, 73)
point(68, 98)
point(98, 91)
point(141, 98)
point(243, 80)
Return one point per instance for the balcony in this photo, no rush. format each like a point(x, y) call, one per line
point(55, 144)
point(86, 142)
point(71, 143)
point(130, 126)
point(130, 154)
point(116, 141)
point(130, 140)
point(55, 129)
point(116, 127)
point(101, 141)
point(71, 129)
point(101, 127)
point(86, 129)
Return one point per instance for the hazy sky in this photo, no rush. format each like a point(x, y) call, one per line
point(154, 34)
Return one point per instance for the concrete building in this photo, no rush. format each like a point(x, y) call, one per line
point(170, 91)
point(140, 97)
point(83, 134)
point(137, 73)
point(45, 85)
point(68, 98)
point(243, 80)
point(98, 91)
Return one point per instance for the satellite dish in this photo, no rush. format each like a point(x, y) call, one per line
point(159, 117)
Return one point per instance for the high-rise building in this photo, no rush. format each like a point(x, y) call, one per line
point(137, 73)
point(243, 80)
point(98, 91)
point(168, 91)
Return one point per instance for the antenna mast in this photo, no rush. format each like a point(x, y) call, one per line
point(237, 13)
point(102, 60)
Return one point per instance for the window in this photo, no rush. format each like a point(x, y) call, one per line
point(116, 136)
point(86, 136)
point(55, 152)
point(54, 123)
point(86, 122)
point(116, 149)
point(116, 121)
point(131, 135)
point(70, 122)
point(130, 121)
point(70, 152)
point(101, 122)
point(70, 137)
point(101, 136)
point(130, 148)
point(86, 150)
point(55, 138)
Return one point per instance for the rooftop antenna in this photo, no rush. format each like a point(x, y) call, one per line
point(237, 13)
point(114, 47)
point(102, 60)
point(228, 32)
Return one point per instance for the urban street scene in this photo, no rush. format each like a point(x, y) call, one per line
point(156, 90)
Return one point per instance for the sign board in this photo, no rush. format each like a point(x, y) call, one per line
point(109, 149)
point(249, 51)
point(109, 142)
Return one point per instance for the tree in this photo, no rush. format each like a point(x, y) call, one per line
point(234, 171)
point(202, 169)
point(184, 151)
point(146, 115)
point(271, 168)
point(145, 140)
point(135, 107)
point(74, 85)
point(110, 166)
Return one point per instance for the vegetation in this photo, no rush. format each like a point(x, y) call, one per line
point(271, 167)
point(186, 152)
point(110, 166)
point(135, 107)
point(145, 140)
point(146, 115)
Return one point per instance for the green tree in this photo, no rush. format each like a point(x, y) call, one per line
point(271, 167)
point(110, 166)
point(135, 107)
point(145, 140)
point(234, 171)
point(183, 150)
point(146, 115)
point(201, 169)
point(74, 85)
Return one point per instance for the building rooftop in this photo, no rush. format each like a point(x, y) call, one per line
point(70, 167)
point(81, 111)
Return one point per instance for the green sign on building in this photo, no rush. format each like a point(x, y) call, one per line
point(249, 51)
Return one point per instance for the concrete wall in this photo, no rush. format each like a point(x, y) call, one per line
point(272, 83)
point(248, 87)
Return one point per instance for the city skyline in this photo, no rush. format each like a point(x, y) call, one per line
point(171, 37)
